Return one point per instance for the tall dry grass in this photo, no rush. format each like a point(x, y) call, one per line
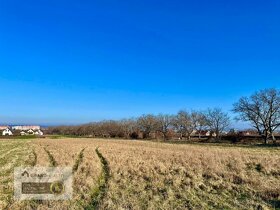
point(150, 175)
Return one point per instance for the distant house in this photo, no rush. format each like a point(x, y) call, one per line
point(7, 132)
point(30, 132)
point(22, 133)
point(21, 130)
point(26, 127)
point(39, 133)
point(194, 132)
point(207, 133)
point(245, 133)
point(248, 132)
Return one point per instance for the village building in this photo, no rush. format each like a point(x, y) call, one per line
point(21, 130)
point(22, 133)
point(248, 132)
point(7, 132)
point(26, 127)
point(30, 132)
point(39, 133)
point(208, 133)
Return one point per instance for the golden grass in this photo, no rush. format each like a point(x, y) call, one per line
point(12, 154)
point(151, 175)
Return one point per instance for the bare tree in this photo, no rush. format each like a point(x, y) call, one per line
point(199, 120)
point(185, 123)
point(164, 124)
point(147, 124)
point(217, 121)
point(112, 128)
point(128, 126)
point(262, 110)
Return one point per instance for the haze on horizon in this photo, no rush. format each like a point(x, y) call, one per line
point(72, 62)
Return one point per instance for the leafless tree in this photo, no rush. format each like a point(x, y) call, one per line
point(164, 124)
point(112, 128)
point(262, 110)
point(217, 121)
point(128, 126)
point(199, 120)
point(185, 123)
point(147, 124)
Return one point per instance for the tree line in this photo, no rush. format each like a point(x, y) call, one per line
point(182, 125)
point(261, 109)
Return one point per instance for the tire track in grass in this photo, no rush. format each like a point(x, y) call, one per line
point(78, 161)
point(35, 203)
point(52, 161)
point(98, 193)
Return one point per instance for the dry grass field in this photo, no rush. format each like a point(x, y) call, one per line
point(124, 174)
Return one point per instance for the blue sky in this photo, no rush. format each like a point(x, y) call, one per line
point(64, 62)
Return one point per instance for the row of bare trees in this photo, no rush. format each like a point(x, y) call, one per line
point(166, 126)
point(261, 110)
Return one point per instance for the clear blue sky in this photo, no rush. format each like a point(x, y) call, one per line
point(81, 61)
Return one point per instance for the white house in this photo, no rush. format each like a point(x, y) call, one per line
point(39, 133)
point(22, 133)
point(7, 132)
point(30, 132)
point(209, 133)
point(26, 127)
point(213, 134)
